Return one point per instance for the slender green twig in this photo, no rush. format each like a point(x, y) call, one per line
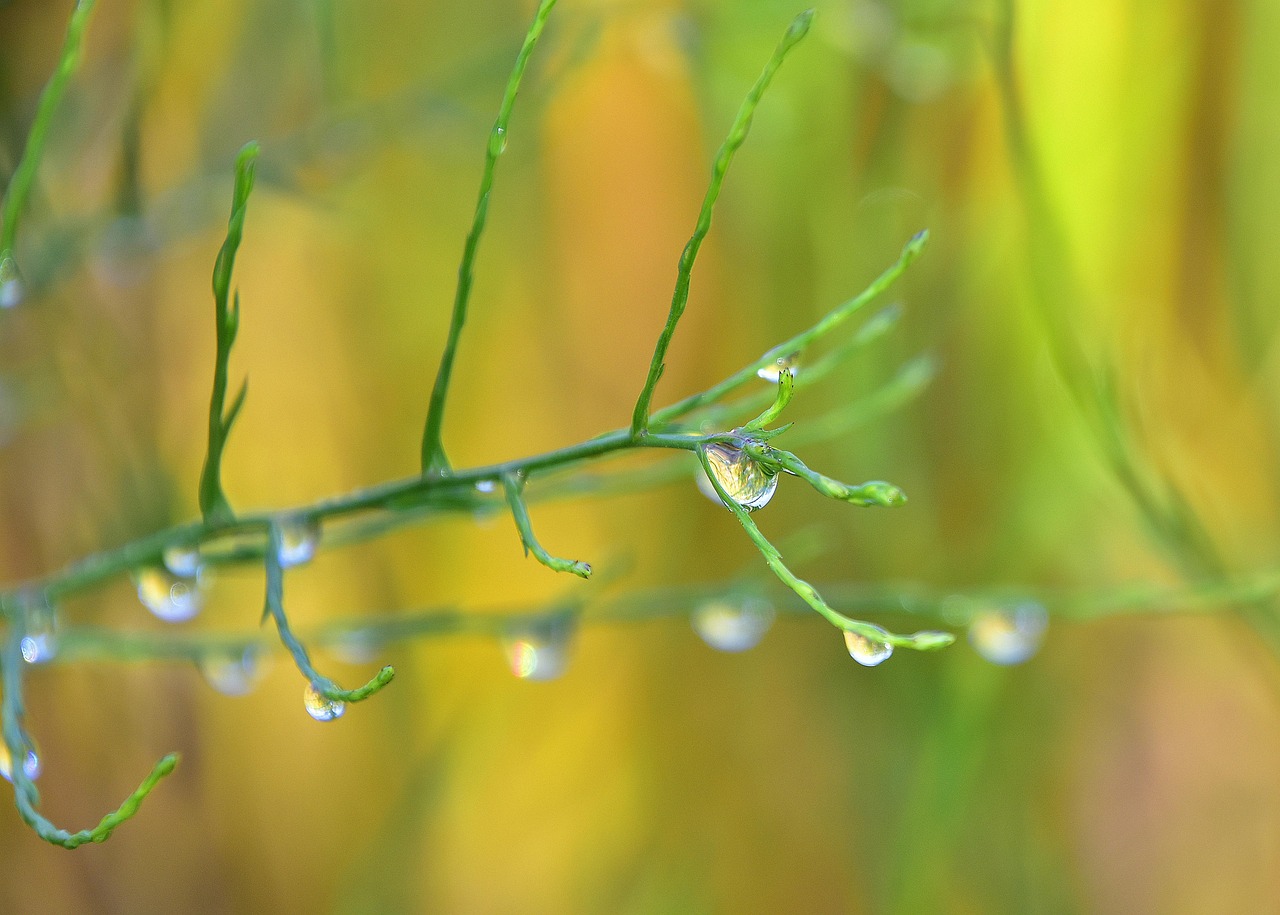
point(926, 640)
point(512, 486)
point(876, 492)
point(433, 456)
point(275, 608)
point(213, 501)
point(24, 175)
point(801, 341)
point(786, 386)
point(25, 795)
point(737, 135)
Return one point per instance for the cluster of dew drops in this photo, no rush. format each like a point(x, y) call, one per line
point(538, 650)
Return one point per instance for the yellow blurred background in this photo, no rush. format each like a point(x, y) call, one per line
point(1099, 179)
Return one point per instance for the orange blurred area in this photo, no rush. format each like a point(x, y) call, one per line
point(1099, 296)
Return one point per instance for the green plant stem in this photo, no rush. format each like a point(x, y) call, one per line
point(408, 498)
point(26, 796)
point(23, 178)
point(213, 501)
point(433, 456)
point(876, 492)
point(512, 486)
point(801, 341)
point(275, 608)
point(923, 641)
point(737, 135)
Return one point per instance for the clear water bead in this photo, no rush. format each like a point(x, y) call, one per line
point(486, 486)
point(31, 766)
point(1009, 635)
point(539, 651)
point(11, 289)
point(320, 707)
point(771, 373)
point(743, 479)
point(498, 141)
point(729, 626)
point(170, 597)
point(183, 561)
point(233, 673)
point(39, 643)
point(299, 540)
point(868, 651)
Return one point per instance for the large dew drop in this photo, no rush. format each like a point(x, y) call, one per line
point(233, 673)
point(539, 651)
point(31, 766)
point(743, 479)
point(170, 597)
point(730, 626)
point(299, 540)
point(1009, 636)
point(868, 651)
point(320, 707)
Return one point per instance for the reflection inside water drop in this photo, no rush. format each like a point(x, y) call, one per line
point(733, 626)
point(11, 289)
point(233, 673)
point(299, 540)
point(170, 597)
point(868, 651)
point(539, 650)
point(31, 767)
point(1009, 635)
point(320, 707)
point(183, 561)
point(743, 479)
point(773, 372)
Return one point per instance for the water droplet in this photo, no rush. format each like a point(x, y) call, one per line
point(299, 540)
point(170, 597)
point(321, 708)
point(486, 486)
point(498, 141)
point(771, 373)
point(868, 651)
point(31, 766)
point(539, 651)
point(12, 291)
point(183, 561)
point(1009, 635)
point(744, 479)
point(233, 673)
point(39, 642)
point(730, 626)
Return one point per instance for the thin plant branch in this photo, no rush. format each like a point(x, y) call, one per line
point(433, 456)
point(24, 176)
point(213, 501)
point(737, 135)
point(512, 485)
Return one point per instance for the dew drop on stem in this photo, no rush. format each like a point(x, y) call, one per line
point(182, 560)
point(868, 651)
point(172, 598)
point(12, 291)
point(539, 650)
point(744, 479)
point(31, 765)
point(320, 707)
point(299, 540)
point(235, 672)
point(772, 372)
point(728, 625)
point(1009, 635)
